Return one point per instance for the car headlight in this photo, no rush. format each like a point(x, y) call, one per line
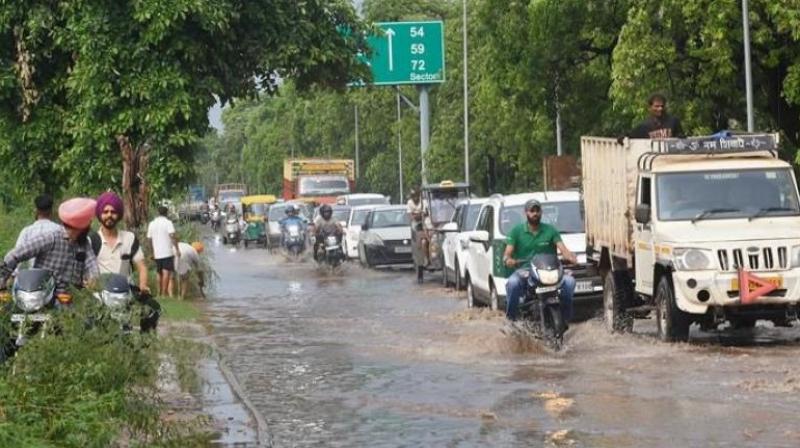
point(373, 239)
point(29, 302)
point(115, 299)
point(692, 259)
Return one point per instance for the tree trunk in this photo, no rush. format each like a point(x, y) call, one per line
point(135, 190)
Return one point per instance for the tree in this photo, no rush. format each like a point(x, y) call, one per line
point(85, 85)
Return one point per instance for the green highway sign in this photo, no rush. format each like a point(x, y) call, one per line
point(407, 53)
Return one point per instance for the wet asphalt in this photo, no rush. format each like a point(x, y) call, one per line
point(363, 357)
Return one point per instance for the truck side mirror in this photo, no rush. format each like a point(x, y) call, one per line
point(643, 213)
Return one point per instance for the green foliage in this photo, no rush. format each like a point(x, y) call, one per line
point(74, 76)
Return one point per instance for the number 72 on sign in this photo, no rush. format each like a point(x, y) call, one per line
point(407, 53)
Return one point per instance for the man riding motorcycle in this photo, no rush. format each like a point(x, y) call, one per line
point(526, 240)
point(292, 216)
point(325, 225)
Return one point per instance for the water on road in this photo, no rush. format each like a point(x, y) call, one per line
point(370, 358)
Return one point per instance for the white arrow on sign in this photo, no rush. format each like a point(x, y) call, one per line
point(390, 32)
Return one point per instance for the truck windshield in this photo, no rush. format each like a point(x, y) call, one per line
point(323, 186)
point(230, 196)
point(367, 201)
point(566, 216)
point(727, 194)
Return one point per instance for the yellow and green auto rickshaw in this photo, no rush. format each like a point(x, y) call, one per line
point(254, 212)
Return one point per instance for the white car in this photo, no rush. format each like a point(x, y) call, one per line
point(454, 247)
point(362, 199)
point(485, 273)
point(385, 237)
point(356, 219)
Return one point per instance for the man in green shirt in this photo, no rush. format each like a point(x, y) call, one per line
point(526, 240)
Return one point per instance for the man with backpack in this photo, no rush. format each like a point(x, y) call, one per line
point(118, 251)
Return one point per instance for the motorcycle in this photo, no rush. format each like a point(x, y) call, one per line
point(294, 240)
point(540, 310)
point(330, 250)
point(118, 297)
point(204, 217)
point(216, 219)
point(232, 233)
point(33, 298)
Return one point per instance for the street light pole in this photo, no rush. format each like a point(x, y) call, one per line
point(748, 77)
point(357, 164)
point(466, 97)
point(399, 148)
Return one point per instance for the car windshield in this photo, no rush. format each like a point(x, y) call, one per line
point(566, 217)
point(366, 201)
point(341, 214)
point(277, 212)
point(726, 194)
point(358, 218)
point(390, 218)
point(328, 185)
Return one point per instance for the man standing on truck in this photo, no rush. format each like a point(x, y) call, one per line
point(660, 124)
point(526, 240)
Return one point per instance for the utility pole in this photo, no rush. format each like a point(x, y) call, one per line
point(466, 97)
point(399, 147)
point(748, 76)
point(424, 128)
point(355, 107)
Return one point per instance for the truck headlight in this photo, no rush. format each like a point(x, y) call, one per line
point(796, 256)
point(692, 259)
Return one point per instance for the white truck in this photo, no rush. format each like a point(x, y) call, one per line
point(700, 230)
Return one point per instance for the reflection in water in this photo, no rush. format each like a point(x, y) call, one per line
point(368, 358)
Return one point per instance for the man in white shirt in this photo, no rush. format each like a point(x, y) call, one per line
point(162, 240)
point(43, 224)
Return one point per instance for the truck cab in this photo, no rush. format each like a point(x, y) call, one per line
point(714, 234)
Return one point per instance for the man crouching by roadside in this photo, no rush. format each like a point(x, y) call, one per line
point(118, 252)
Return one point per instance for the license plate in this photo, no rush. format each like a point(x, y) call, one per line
point(17, 318)
point(584, 286)
point(774, 281)
point(330, 248)
point(402, 250)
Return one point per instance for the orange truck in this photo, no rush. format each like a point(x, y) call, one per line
point(317, 180)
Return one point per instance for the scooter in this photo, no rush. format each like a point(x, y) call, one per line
point(294, 239)
point(216, 219)
point(232, 233)
point(33, 299)
point(540, 310)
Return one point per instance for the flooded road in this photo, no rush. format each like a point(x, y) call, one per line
point(370, 358)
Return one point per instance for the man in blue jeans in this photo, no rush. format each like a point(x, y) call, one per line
point(525, 241)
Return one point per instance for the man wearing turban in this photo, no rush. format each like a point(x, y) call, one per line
point(118, 251)
point(66, 253)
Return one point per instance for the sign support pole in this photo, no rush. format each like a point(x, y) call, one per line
point(424, 128)
point(400, 149)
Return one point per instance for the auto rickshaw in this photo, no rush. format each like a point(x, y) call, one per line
point(254, 209)
point(439, 204)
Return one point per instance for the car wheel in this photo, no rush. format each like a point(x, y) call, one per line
point(616, 292)
point(445, 283)
point(471, 302)
point(224, 240)
point(458, 282)
point(673, 324)
point(494, 299)
point(245, 244)
point(420, 274)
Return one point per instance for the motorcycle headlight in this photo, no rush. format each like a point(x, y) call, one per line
point(29, 302)
point(330, 240)
point(547, 277)
point(293, 230)
point(115, 299)
point(692, 259)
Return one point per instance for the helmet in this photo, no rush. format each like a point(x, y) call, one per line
point(533, 203)
point(326, 211)
point(198, 246)
point(292, 209)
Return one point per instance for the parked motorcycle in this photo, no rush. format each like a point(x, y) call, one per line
point(33, 298)
point(233, 233)
point(294, 239)
point(118, 297)
point(330, 250)
point(540, 310)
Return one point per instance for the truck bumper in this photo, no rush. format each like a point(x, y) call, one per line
point(722, 289)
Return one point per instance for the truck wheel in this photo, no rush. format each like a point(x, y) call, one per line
point(673, 324)
point(617, 292)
